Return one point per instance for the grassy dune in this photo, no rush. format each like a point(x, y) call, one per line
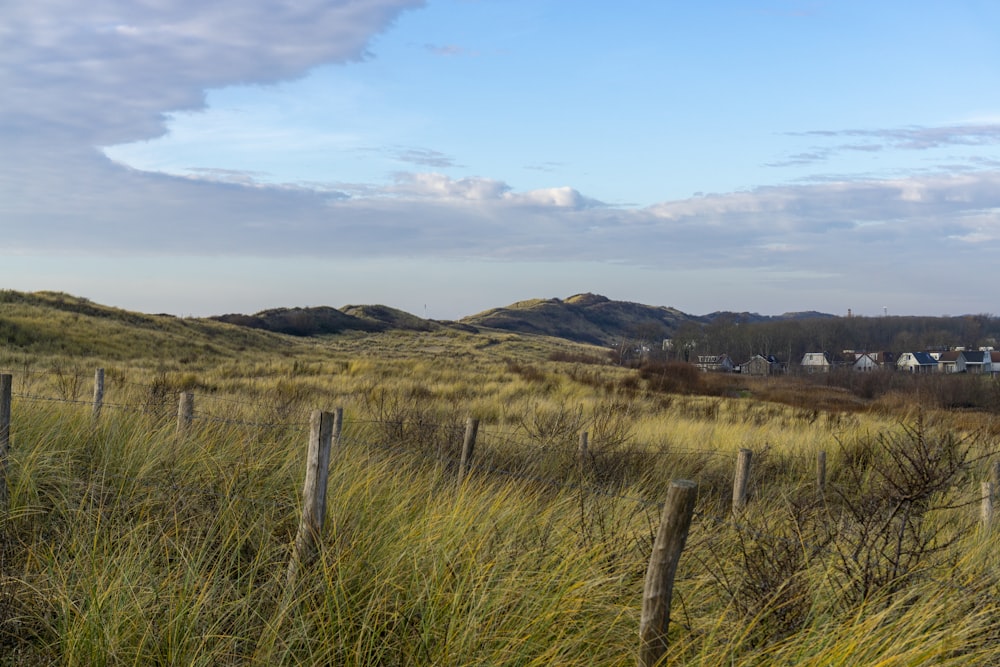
point(126, 542)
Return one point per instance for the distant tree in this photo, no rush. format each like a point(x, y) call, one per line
point(688, 338)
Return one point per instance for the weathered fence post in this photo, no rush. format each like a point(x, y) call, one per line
point(98, 392)
point(581, 454)
point(659, 587)
point(471, 429)
point(821, 473)
point(321, 426)
point(185, 412)
point(6, 382)
point(740, 479)
point(986, 507)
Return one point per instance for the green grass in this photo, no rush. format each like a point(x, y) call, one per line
point(125, 543)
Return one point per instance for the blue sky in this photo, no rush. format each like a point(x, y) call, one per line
point(447, 157)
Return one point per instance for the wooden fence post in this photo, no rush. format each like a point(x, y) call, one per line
point(659, 587)
point(98, 392)
point(321, 425)
point(6, 382)
point(821, 473)
point(185, 412)
point(986, 506)
point(471, 429)
point(740, 480)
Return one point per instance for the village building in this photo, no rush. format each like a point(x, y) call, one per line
point(917, 362)
point(720, 363)
point(869, 361)
point(973, 361)
point(948, 361)
point(759, 365)
point(817, 362)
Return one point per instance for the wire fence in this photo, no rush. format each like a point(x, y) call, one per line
point(491, 438)
point(489, 461)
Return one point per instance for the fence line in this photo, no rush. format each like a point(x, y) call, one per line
point(671, 535)
point(699, 517)
point(481, 433)
point(472, 466)
point(142, 409)
point(501, 437)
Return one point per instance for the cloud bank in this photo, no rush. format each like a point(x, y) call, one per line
point(75, 77)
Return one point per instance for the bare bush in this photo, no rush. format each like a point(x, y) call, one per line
point(402, 420)
point(773, 586)
point(550, 426)
point(69, 382)
point(878, 523)
point(676, 377)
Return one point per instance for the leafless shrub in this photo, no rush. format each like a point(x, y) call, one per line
point(550, 427)
point(612, 424)
point(69, 382)
point(287, 398)
point(675, 377)
point(773, 588)
point(159, 398)
point(878, 512)
point(401, 420)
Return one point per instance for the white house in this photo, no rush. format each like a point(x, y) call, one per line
point(816, 362)
point(866, 362)
point(948, 362)
point(916, 362)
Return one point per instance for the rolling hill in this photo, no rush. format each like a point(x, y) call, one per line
point(61, 323)
point(41, 324)
point(585, 318)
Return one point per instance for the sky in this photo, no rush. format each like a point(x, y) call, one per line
point(450, 156)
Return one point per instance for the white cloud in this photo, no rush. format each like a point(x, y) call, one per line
point(818, 208)
point(105, 71)
point(562, 197)
point(76, 76)
point(440, 186)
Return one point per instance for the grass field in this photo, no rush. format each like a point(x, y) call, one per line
point(126, 542)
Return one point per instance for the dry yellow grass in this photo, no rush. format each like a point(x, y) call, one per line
point(124, 543)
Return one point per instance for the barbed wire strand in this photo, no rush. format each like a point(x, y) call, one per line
point(476, 465)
